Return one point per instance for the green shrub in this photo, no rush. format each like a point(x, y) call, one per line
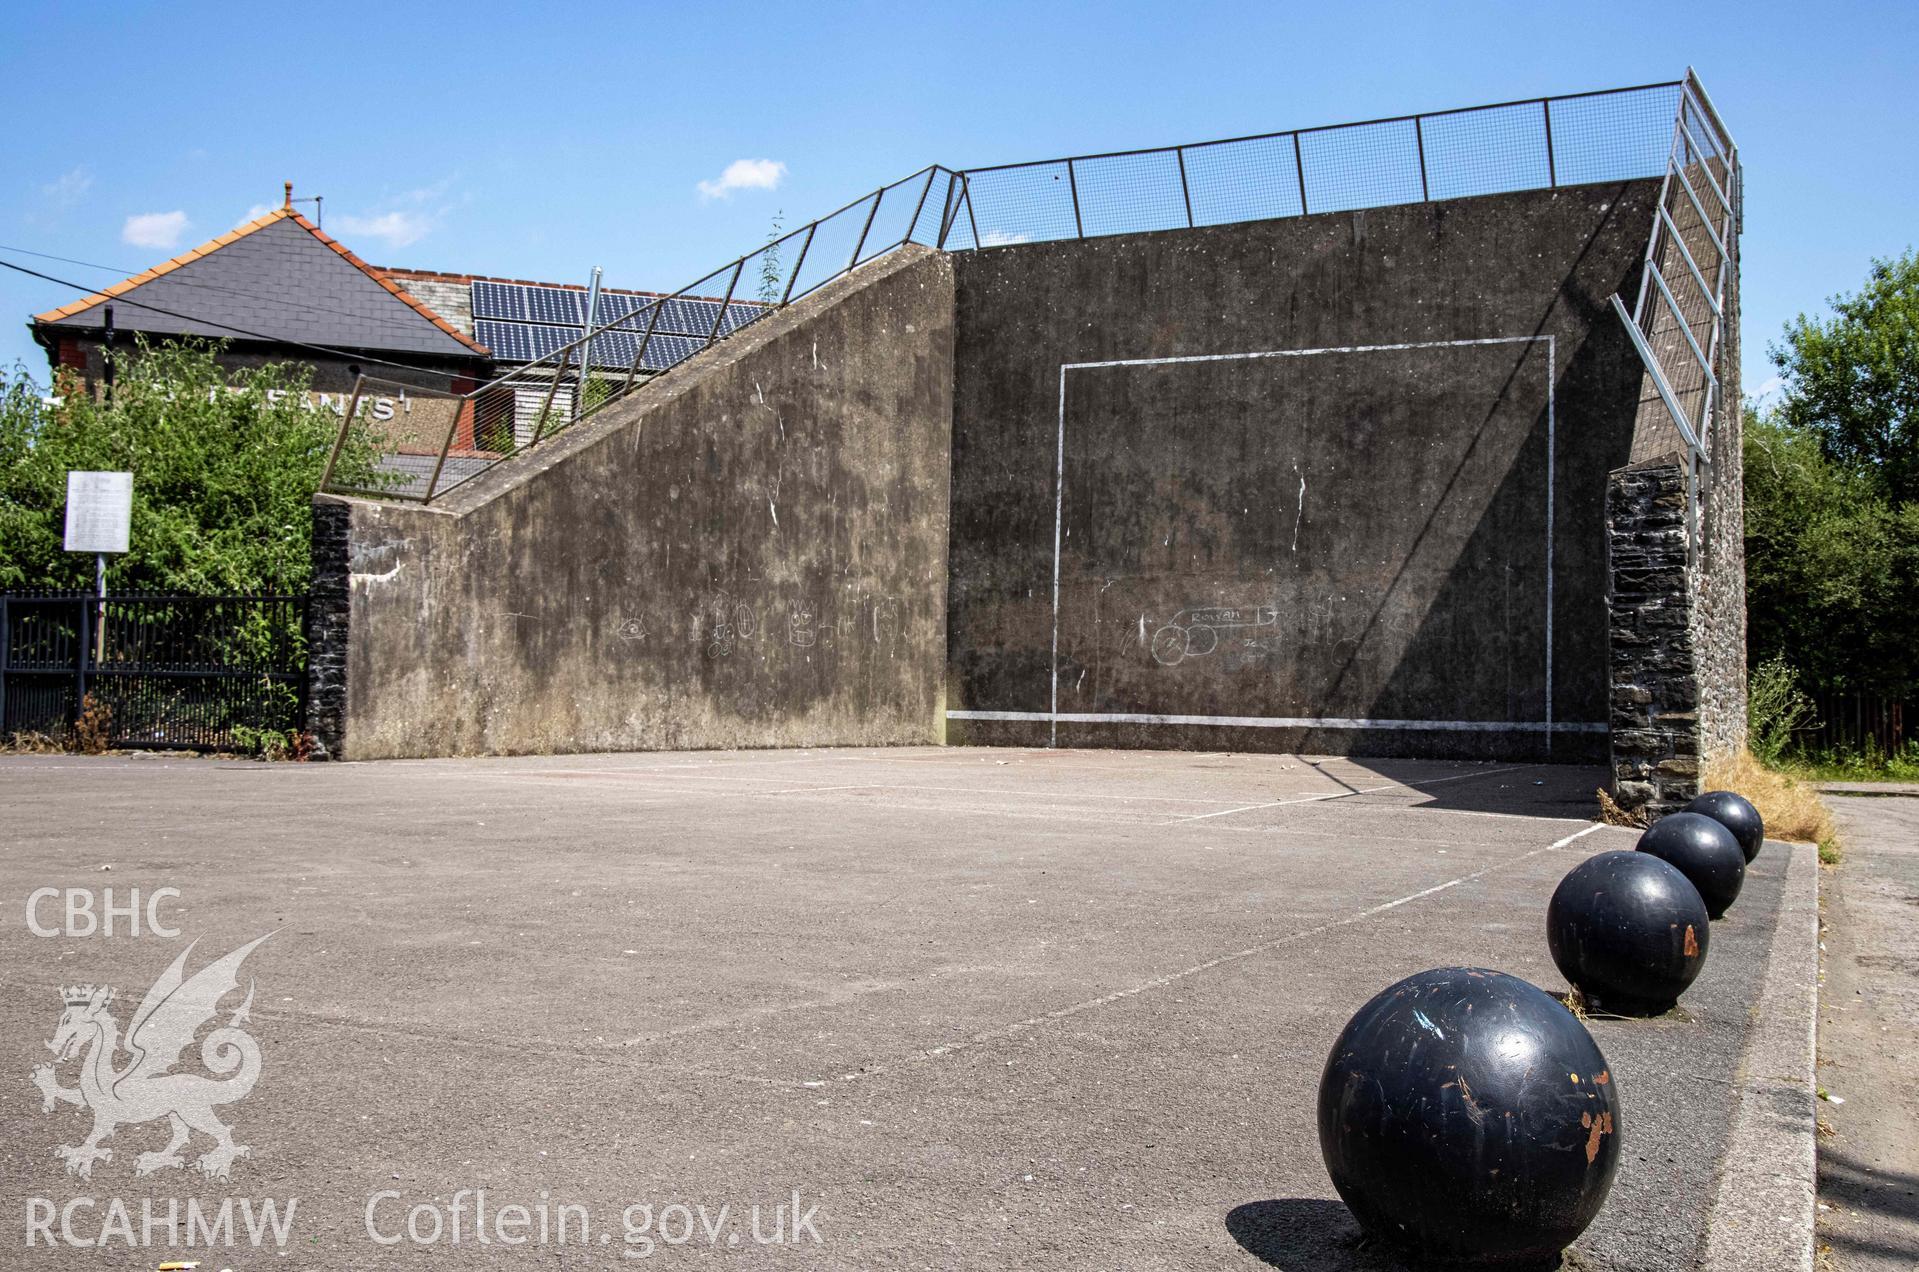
point(1776, 709)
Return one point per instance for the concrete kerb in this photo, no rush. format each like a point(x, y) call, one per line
point(1763, 1208)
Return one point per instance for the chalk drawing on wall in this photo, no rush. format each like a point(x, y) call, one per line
point(1195, 633)
point(800, 629)
point(633, 629)
point(723, 623)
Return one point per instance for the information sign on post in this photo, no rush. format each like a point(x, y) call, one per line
point(99, 520)
point(99, 511)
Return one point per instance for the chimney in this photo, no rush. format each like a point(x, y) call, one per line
point(289, 202)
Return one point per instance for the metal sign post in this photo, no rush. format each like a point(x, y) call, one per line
point(99, 520)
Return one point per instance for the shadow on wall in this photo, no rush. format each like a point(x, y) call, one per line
point(1488, 619)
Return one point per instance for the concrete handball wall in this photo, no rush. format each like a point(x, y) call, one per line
point(751, 552)
point(1298, 472)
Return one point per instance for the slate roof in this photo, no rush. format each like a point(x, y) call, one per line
point(282, 277)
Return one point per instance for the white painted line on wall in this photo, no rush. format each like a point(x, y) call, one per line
point(1059, 503)
point(1055, 717)
point(1303, 353)
point(1289, 722)
point(1552, 447)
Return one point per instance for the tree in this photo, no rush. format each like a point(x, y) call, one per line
point(1853, 379)
point(1832, 564)
point(223, 474)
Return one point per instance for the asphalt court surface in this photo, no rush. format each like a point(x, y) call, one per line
point(974, 1007)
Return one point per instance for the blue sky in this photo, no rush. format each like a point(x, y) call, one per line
point(537, 142)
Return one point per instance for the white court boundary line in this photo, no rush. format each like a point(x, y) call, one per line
point(1016, 1027)
point(1053, 715)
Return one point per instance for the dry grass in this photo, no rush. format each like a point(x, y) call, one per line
point(1613, 815)
point(31, 743)
point(1792, 809)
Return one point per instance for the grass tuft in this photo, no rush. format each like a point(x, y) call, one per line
point(1612, 814)
point(1792, 809)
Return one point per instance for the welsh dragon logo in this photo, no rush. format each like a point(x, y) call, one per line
point(143, 1089)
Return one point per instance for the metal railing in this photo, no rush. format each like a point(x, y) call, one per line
point(1537, 143)
point(158, 670)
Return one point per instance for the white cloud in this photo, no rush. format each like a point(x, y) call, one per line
point(395, 229)
point(1769, 389)
point(745, 174)
point(1001, 238)
point(255, 212)
point(68, 188)
point(154, 229)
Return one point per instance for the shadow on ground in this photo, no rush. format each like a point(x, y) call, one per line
point(1517, 788)
point(1306, 1234)
point(1311, 1234)
point(1855, 1185)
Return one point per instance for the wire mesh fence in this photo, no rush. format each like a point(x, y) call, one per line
point(568, 374)
point(1677, 320)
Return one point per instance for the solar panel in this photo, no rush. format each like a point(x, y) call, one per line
point(522, 341)
point(614, 306)
point(497, 300)
point(523, 322)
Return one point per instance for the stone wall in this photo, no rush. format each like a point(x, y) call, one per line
point(1654, 674)
point(327, 627)
point(1719, 563)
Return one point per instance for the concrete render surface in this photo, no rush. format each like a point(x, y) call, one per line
point(974, 1008)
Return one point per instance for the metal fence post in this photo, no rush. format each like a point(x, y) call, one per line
point(720, 319)
point(639, 354)
point(1179, 153)
point(339, 442)
point(787, 297)
point(950, 211)
point(6, 653)
point(867, 228)
point(966, 193)
point(553, 390)
point(1072, 182)
point(586, 353)
point(1299, 167)
point(1419, 136)
point(1552, 164)
point(446, 443)
point(80, 661)
point(913, 223)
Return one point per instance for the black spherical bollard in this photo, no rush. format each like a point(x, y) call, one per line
point(1628, 931)
point(1736, 813)
point(1705, 852)
point(1467, 1117)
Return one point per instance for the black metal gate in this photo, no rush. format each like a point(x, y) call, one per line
point(154, 670)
